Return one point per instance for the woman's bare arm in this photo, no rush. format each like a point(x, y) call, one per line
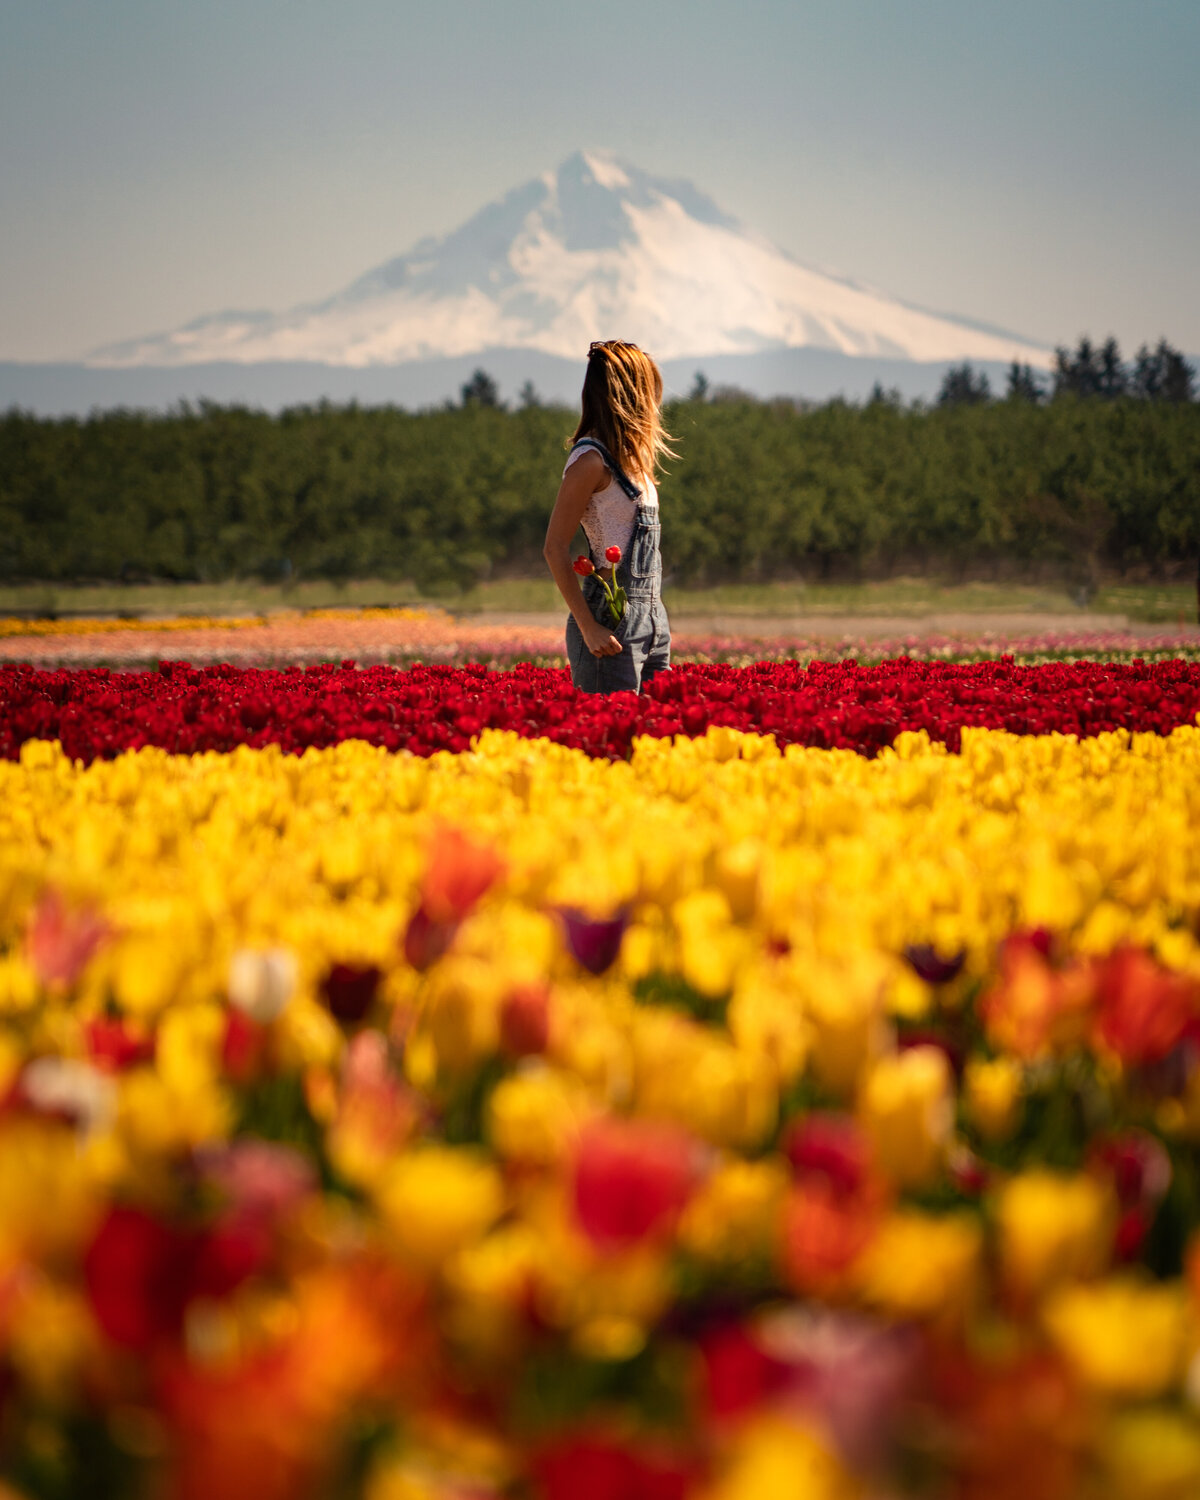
point(581, 481)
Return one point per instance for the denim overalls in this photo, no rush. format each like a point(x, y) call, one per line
point(644, 632)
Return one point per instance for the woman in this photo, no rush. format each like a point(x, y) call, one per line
point(608, 488)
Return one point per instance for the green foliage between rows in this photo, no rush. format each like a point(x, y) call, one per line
point(759, 491)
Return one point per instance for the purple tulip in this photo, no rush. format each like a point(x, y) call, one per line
point(929, 965)
point(595, 944)
point(349, 990)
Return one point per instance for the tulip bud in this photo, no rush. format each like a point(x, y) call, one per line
point(612, 555)
point(584, 567)
point(261, 982)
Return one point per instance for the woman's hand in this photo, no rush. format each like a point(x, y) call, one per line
point(600, 641)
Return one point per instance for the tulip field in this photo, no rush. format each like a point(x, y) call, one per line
point(432, 1083)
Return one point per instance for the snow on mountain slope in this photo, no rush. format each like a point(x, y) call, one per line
point(597, 249)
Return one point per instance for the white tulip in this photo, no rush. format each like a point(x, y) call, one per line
point(261, 982)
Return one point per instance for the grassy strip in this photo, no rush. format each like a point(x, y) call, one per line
point(906, 597)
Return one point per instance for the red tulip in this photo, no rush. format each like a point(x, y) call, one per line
point(459, 872)
point(229, 1253)
point(632, 1177)
point(1138, 1164)
point(245, 1047)
point(612, 555)
point(61, 939)
point(1143, 1009)
point(426, 940)
point(831, 1147)
point(525, 1021)
point(584, 567)
point(824, 1233)
point(115, 1044)
point(599, 1468)
point(136, 1272)
point(739, 1373)
point(837, 1204)
point(425, 709)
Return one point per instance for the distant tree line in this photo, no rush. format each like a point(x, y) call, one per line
point(1080, 480)
point(1089, 372)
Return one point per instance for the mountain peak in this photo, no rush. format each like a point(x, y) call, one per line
point(601, 167)
point(596, 248)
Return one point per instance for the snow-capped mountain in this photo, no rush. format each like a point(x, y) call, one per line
point(597, 249)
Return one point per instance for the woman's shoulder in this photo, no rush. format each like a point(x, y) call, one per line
point(588, 460)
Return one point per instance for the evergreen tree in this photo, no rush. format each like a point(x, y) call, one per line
point(1147, 379)
point(1023, 384)
point(963, 386)
point(1111, 380)
point(528, 396)
point(1162, 374)
point(1178, 375)
point(482, 390)
point(699, 390)
point(1078, 374)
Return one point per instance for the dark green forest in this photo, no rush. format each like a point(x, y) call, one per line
point(1078, 485)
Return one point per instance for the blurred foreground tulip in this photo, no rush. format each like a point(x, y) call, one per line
point(137, 1275)
point(1036, 1008)
point(1053, 1227)
point(631, 1179)
point(525, 1020)
point(458, 872)
point(931, 966)
point(349, 990)
point(595, 942)
point(261, 982)
point(62, 938)
point(1143, 1009)
point(907, 1110)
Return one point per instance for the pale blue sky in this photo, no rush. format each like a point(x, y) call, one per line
point(1032, 163)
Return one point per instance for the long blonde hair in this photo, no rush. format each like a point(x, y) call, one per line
point(622, 406)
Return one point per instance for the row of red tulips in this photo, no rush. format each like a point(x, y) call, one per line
point(97, 713)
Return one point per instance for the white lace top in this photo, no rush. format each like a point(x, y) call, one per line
point(610, 514)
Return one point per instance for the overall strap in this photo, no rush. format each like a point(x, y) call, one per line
point(631, 490)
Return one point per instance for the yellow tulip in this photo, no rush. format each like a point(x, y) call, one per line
point(1053, 1227)
point(436, 1200)
point(992, 1095)
point(1123, 1337)
point(907, 1109)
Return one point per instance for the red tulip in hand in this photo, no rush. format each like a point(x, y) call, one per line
point(614, 592)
